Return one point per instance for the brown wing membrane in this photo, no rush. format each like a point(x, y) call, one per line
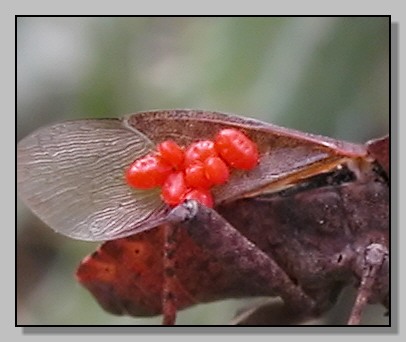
point(286, 155)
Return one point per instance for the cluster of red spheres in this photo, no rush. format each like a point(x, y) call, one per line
point(190, 173)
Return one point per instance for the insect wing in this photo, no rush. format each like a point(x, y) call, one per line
point(72, 176)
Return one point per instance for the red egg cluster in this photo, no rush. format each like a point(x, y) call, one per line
point(190, 173)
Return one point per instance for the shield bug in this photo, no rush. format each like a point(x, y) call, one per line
point(308, 216)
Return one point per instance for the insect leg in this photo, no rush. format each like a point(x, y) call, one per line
point(209, 229)
point(169, 307)
point(374, 264)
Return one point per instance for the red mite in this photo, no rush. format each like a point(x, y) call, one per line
point(191, 173)
point(200, 151)
point(172, 153)
point(195, 176)
point(203, 196)
point(216, 170)
point(237, 149)
point(148, 172)
point(174, 188)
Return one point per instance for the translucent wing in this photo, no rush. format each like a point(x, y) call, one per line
point(71, 176)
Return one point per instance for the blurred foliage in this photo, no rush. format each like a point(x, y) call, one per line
point(326, 75)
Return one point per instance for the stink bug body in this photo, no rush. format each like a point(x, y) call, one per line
point(306, 218)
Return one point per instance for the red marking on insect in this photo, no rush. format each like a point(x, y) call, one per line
point(237, 149)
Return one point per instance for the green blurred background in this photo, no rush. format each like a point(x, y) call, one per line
point(325, 75)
